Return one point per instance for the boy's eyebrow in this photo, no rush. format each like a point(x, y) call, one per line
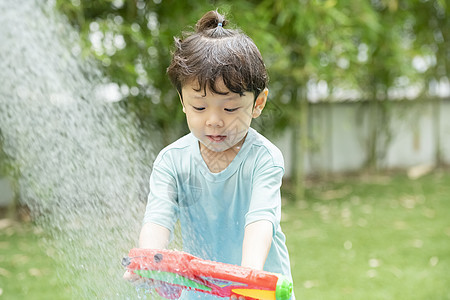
point(231, 97)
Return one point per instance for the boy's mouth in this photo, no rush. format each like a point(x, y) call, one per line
point(216, 138)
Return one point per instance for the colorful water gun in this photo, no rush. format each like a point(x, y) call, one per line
point(178, 270)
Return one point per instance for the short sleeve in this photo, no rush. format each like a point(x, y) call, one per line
point(265, 201)
point(162, 205)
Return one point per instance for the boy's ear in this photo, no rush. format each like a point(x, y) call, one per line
point(260, 103)
point(181, 100)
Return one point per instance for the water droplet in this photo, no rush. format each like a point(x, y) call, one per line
point(80, 156)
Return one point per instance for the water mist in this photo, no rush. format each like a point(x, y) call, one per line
point(83, 165)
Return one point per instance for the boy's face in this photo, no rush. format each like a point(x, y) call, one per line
point(220, 122)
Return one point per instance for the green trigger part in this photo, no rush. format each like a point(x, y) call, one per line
point(172, 278)
point(284, 288)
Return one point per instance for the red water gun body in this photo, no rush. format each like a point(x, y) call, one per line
point(181, 270)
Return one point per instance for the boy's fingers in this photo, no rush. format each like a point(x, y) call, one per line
point(130, 276)
point(137, 280)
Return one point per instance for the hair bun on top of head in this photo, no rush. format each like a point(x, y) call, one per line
point(210, 20)
point(212, 54)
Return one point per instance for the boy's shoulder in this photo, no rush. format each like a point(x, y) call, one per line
point(179, 146)
point(182, 142)
point(263, 145)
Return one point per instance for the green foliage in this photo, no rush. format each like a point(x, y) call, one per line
point(375, 49)
point(6, 166)
point(132, 41)
point(362, 45)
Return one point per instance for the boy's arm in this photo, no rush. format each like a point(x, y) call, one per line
point(256, 244)
point(154, 236)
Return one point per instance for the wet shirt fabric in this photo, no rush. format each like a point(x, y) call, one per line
point(214, 208)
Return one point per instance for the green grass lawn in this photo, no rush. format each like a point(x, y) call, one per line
point(26, 269)
point(375, 238)
point(370, 238)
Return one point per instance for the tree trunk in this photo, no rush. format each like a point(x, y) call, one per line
point(329, 133)
point(436, 104)
point(300, 141)
point(372, 138)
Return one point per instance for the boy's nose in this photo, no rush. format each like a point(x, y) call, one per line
point(214, 120)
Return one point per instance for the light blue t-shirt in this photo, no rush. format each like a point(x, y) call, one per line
point(214, 208)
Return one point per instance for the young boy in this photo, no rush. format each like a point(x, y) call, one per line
point(221, 181)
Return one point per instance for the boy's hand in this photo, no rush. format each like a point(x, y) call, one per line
point(234, 297)
point(138, 281)
point(131, 277)
point(165, 290)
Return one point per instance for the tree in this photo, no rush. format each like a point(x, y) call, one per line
point(318, 43)
point(132, 41)
point(368, 46)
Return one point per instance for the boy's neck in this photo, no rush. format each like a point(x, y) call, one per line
point(219, 161)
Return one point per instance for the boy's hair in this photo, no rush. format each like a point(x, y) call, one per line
point(212, 53)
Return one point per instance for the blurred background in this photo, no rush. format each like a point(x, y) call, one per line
point(359, 94)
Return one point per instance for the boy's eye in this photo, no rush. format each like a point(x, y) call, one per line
point(231, 109)
point(198, 108)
